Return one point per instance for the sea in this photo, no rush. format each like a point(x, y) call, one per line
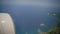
point(31, 19)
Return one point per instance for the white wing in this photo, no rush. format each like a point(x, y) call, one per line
point(6, 24)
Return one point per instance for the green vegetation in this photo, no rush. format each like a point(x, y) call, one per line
point(56, 29)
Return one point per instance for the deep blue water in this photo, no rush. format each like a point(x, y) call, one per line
point(29, 18)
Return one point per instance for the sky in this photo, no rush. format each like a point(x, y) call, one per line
point(54, 3)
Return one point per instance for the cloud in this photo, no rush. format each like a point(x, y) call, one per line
point(30, 2)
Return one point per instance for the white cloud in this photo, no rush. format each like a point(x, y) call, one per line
point(42, 24)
